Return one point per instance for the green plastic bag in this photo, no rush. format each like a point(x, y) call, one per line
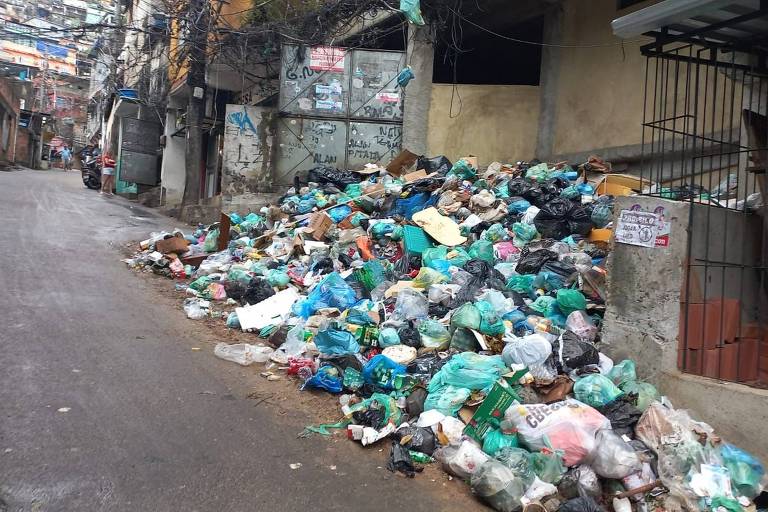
point(412, 11)
point(388, 337)
point(469, 370)
point(539, 172)
point(462, 169)
point(570, 192)
point(382, 402)
point(495, 440)
point(482, 250)
point(431, 254)
point(211, 241)
point(434, 335)
point(238, 274)
point(729, 504)
point(397, 233)
point(446, 399)
point(463, 340)
point(354, 190)
point(521, 283)
point(548, 466)
point(278, 278)
point(518, 460)
point(596, 390)
point(428, 276)
point(746, 471)
point(496, 233)
point(371, 274)
point(490, 322)
point(201, 283)
point(570, 300)
point(467, 315)
point(353, 379)
point(545, 305)
point(524, 233)
point(623, 372)
point(646, 393)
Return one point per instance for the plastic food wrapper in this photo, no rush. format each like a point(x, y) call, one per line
point(613, 457)
point(569, 426)
point(596, 390)
point(243, 353)
point(462, 460)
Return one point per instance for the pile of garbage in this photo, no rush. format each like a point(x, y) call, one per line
point(456, 313)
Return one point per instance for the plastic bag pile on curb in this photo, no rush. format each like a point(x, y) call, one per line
point(458, 318)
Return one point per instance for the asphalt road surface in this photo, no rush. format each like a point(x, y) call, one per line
point(104, 406)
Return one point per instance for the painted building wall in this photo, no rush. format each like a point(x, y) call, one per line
point(493, 122)
point(599, 89)
point(172, 177)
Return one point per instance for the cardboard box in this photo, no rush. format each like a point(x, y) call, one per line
point(490, 413)
point(402, 163)
point(319, 224)
point(173, 244)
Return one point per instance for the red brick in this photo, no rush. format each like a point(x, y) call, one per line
point(690, 361)
point(710, 324)
point(748, 359)
point(721, 362)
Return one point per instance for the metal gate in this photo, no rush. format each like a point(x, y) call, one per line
point(337, 107)
point(705, 142)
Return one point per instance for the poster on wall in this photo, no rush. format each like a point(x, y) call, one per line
point(327, 58)
point(637, 228)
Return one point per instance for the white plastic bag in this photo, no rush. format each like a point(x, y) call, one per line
point(293, 346)
point(243, 353)
point(613, 457)
point(538, 490)
point(568, 425)
point(453, 428)
point(529, 350)
point(196, 309)
point(462, 460)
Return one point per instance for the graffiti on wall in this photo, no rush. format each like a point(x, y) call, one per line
point(247, 150)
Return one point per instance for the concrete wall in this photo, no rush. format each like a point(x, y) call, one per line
point(642, 323)
point(493, 122)
point(247, 156)
point(599, 89)
point(172, 177)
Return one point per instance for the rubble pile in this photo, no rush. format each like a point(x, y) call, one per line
point(456, 313)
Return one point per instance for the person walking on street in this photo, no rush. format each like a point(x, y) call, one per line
point(107, 174)
point(66, 157)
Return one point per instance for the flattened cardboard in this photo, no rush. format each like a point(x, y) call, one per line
point(402, 163)
point(441, 228)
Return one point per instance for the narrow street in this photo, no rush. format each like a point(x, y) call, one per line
point(107, 407)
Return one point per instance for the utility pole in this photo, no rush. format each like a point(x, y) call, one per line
point(38, 163)
point(197, 40)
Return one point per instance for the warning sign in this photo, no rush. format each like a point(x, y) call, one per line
point(637, 228)
point(327, 58)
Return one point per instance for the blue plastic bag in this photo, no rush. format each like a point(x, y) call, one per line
point(412, 11)
point(339, 213)
point(336, 342)
point(332, 292)
point(746, 471)
point(326, 379)
point(381, 371)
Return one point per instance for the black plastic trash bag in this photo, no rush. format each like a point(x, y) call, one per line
point(576, 353)
point(581, 504)
point(409, 336)
point(561, 217)
point(417, 439)
point(400, 460)
point(623, 416)
point(323, 174)
point(426, 366)
point(414, 404)
point(531, 262)
point(439, 164)
point(483, 276)
point(235, 289)
point(258, 290)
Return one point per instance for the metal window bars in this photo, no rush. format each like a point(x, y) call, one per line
point(705, 141)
